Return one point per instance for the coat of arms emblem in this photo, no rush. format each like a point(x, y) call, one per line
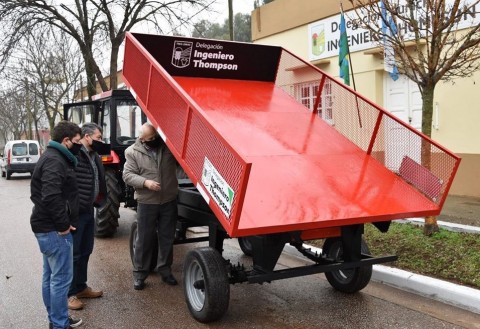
point(182, 51)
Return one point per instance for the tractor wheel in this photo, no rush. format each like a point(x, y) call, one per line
point(106, 221)
point(205, 284)
point(246, 246)
point(133, 239)
point(348, 280)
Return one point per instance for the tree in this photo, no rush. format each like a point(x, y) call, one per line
point(90, 23)
point(432, 41)
point(43, 75)
point(208, 30)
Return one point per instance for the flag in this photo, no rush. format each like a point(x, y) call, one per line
point(388, 28)
point(343, 52)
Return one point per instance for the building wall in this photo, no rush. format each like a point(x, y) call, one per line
point(285, 23)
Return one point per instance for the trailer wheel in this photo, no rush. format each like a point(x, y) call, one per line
point(133, 239)
point(206, 285)
point(246, 246)
point(106, 220)
point(348, 280)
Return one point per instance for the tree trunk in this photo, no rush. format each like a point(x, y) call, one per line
point(114, 64)
point(431, 225)
point(230, 18)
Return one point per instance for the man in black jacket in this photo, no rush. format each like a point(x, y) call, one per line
point(92, 192)
point(54, 194)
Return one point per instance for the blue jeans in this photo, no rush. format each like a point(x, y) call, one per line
point(57, 253)
point(83, 238)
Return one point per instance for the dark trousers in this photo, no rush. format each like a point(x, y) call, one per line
point(156, 223)
point(83, 238)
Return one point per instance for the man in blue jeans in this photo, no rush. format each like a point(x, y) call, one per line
point(54, 194)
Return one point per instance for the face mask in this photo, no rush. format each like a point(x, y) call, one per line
point(100, 147)
point(75, 149)
point(153, 143)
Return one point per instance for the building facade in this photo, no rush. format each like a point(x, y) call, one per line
point(309, 29)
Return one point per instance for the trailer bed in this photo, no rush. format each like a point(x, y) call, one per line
point(304, 173)
point(278, 165)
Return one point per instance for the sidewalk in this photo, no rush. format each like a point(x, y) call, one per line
point(461, 210)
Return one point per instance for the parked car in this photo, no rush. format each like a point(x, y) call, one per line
point(19, 156)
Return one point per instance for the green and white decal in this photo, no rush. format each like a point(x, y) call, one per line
point(217, 187)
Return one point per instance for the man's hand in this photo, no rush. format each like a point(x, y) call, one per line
point(71, 228)
point(152, 185)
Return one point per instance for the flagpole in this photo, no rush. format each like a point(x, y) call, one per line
point(349, 56)
point(353, 76)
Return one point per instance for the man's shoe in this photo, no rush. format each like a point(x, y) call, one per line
point(89, 293)
point(138, 284)
point(74, 303)
point(169, 279)
point(74, 322)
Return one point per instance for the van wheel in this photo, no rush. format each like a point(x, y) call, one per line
point(3, 173)
point(106, 221)
point(8, 174)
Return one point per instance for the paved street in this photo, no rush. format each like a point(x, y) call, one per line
point(306, 302)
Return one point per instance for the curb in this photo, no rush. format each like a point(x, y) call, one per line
point(459, 296)
point(450, 293)
point(446, 225)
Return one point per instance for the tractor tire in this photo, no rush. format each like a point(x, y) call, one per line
point(205, 284)
point(246, 246)
point(133, 239)
point(348, 280)
point(106, 219)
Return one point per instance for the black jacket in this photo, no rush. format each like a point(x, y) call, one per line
point(85, 181)
point(54, 191)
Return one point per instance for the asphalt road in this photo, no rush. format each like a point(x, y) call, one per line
point(306, 302)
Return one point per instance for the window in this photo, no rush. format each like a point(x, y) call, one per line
point(129, 122)
point(19, 149)
point(33, 149)
point(81, 114)
point(306, 94)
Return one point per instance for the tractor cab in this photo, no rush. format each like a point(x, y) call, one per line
point(121, 119)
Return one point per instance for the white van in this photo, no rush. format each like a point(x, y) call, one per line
point(19, 156)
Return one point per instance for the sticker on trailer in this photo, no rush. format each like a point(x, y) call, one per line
point(217, 187)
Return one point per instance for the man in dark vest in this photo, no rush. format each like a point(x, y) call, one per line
point(92, 193)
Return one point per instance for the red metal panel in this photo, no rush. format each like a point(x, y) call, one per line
point(283, 166)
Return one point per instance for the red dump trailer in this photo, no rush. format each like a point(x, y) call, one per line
point(281, 152)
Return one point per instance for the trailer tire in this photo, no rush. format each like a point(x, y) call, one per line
point(206, 267)
point(133, 239)
point(349, 280)
point(246, 246)
point(106, 219)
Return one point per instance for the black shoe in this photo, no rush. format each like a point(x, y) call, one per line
point(169, 279)
point(138, 284)
point(73, 323)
